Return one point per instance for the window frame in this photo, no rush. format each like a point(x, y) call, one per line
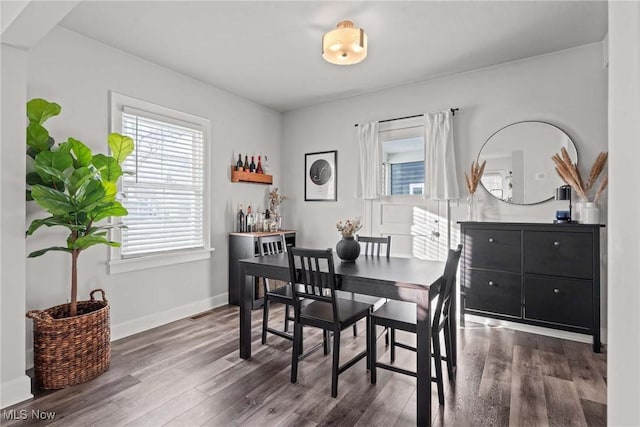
point(118, 264)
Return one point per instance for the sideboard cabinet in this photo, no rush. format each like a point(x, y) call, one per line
point(245, 245)
point(539, 274)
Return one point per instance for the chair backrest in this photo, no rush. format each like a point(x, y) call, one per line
point(271, 245)
point(447, 284)
point(373, 245)
point(313, 277)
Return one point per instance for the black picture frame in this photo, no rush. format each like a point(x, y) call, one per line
point(321, 176)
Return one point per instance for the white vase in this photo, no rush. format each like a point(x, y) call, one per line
point(590, 213)
point(577, 210)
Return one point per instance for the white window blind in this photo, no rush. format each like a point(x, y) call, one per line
point(163, 184)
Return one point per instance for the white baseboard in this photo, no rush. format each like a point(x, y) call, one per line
point(15, 391)
point(571, 336)
point(154, 320)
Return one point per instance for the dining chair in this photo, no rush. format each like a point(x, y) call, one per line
point(316, 282)
point(402, 315)
point(373, 245)
point(271, 245)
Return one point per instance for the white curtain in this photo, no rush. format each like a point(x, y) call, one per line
point(369, 184)
point(441, 177)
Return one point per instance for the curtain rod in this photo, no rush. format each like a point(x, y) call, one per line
point(453, 112)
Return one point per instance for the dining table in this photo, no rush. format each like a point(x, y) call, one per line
point(405, 279)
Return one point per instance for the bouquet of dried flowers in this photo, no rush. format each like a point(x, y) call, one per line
point(275, 200)
point(476, 174)
point(349, 227)
point(570, 174)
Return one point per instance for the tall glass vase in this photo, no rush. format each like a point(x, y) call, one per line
point(471, 207)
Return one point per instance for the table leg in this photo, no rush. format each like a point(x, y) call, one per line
point(245, 315)
point(453, 327)
point(423, 338)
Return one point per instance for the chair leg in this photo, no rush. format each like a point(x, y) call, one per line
point(355, 330)
point(447, 349)
point(393, 345)
point(438, 362)
point(295, 351)
point(265, 319)
point(336, 363)
point(373, 358)
point(326, 342)
point(286, 317)
point(368, 339)
point(386, 337)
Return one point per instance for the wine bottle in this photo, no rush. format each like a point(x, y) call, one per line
point(240, 226)
point(259, 167)
point(246, 164)
point(252, 166)
point(249, 220)
point(239, 166)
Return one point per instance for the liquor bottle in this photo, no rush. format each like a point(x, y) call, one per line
point(246, 164)
point(249, 220)
point(240, 226)
point(265, 166)
point(259, 167)
point(252, 166)
point(239, 166)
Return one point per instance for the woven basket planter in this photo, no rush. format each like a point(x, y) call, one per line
point(71, 350)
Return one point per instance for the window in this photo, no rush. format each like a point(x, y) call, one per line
point(164, 184)
point(402, 156)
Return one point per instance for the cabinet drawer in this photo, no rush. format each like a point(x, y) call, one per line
point(492, 291)
point(563, 254)
point(563, 301)
point(493, 249)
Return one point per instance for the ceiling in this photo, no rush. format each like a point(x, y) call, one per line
point(270, 51)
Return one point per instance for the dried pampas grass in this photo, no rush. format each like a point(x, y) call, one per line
point(570, 174)
point(476, 174)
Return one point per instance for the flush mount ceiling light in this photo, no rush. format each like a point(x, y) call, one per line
point(345, 45)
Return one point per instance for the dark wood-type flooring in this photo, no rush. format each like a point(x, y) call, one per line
point(188, 373)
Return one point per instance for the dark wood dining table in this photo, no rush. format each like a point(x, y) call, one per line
point(405, 279)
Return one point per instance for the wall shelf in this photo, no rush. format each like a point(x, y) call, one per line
point(257, 178)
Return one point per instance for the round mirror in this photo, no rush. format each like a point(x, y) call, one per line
point(519, 168)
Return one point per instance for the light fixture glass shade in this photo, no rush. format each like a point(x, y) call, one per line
point(345, 45)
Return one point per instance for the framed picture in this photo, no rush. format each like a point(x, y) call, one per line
point(321, 176)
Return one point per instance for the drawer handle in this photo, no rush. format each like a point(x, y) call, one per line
point(556, 291)
point(492, 283)
point(491, 240)
point(556, 243)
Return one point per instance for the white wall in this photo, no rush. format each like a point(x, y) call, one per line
point(567, 89)
point(78, 73)
point(623, 362)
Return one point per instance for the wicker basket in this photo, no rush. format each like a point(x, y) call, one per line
point(71, 350)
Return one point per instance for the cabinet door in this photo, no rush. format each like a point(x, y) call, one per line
point(492, 292)
point(565, 254)
point(560, 301)
point(493, 249)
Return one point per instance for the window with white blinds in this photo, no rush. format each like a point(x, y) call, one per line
point(163, 185)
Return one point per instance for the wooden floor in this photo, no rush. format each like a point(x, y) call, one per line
point(188, 373)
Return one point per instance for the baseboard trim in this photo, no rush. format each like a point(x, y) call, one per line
point(154, 320)
point(15, 391)
point(571, 336)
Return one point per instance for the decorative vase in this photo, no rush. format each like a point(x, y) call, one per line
point(590, 213)
point(577, 210)
point(348, 249)
point(471, 214)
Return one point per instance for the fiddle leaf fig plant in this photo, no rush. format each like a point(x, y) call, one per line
point(75, 187)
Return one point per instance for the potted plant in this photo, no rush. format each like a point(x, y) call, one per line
point(78, 190)
point(347, 248)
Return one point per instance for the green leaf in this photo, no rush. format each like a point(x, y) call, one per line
point(50, 222)
point(108, 210)
point(85, 242)
point(37, 137)
point(44, 251)
point(53, 201)
point(121, 146)
point(49, 174)
point(81, 152)
point(110, 191)
point(40, 110)
point(33, 178)
point(108, 167)
point(60, 159)
point(89, 196)
point(78, 178)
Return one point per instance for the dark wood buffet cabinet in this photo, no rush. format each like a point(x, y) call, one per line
point(245, 245)
point(539, 274)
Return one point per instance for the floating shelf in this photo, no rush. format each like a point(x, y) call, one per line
point(257, 178)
